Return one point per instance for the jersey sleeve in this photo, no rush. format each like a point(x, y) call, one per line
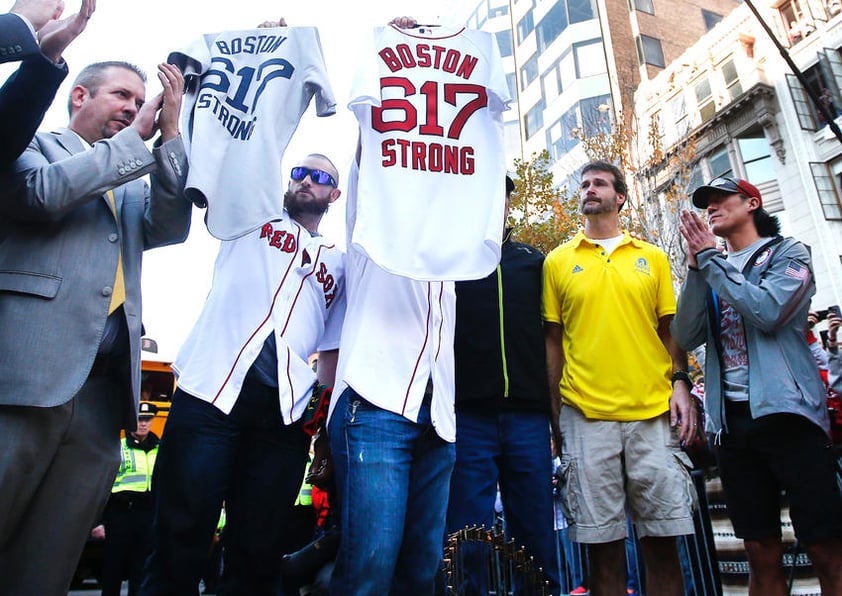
point(497, 87)
point(365, 88)
point(194, 59)
point(333, 324)
point(317, 83)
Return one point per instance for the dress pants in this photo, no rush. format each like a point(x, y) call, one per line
point(57, 466)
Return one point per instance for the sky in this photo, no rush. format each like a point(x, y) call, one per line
point(176, 279)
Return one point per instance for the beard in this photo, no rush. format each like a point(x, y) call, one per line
point(305, 203)
point(587, 207)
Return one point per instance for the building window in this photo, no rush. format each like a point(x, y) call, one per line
point(801, 101)
point(496, 8)
point(827, 187)
point(697, 179)
point(580, 11)
point(757, 157)
point(596, 115)
point(797, 23)
point(710, 18)
point(525, 27)
point(678, 107)
point(511, 81)
point(552, 25)
point(824, 79)
point(590, 58)
point(649, 51)
point(720, 164)
point(561, 136)
point(732, 79)
point(534, 119)
point(482, 13)
point(504, 42)
point(642, 5)
point(704, 99)
point(551, 85)
point(529, 71)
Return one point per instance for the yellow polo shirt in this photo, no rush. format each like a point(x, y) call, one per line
point(616, 367)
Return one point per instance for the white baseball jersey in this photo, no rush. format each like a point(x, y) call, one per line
point(246, 93)
point(397, 335)
point(429, 103)
point(276, 279)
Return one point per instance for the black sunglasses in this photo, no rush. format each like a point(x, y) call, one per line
point(723, 181)
point(318, 176)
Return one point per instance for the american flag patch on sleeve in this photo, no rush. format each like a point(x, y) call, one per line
point(797, 270)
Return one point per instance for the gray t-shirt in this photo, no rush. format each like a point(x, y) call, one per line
point(733, 337)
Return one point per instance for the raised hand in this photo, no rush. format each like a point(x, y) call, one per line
point(39, 12)
point(162, 111)
point(697, 234)
point(173, 83)
point(55, 36)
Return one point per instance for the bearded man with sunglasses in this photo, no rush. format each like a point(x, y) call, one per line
point(764, 398)
point(234, 431)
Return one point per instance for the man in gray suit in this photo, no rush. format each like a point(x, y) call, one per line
point(30, 33)
point(75, 218)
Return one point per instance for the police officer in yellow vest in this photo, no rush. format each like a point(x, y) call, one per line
point(128, 514)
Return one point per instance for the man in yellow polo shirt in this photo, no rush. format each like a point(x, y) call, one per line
point(608, 303)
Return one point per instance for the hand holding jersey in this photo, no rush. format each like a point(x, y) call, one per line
point(162, 111)
point(246, 92)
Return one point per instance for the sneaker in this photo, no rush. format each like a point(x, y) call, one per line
point(580, 591)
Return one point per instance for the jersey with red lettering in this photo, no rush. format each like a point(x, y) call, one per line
point(276, 279)
point(429, 102)
point(246, 92)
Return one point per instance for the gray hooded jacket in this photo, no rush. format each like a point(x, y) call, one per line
point(772, 294)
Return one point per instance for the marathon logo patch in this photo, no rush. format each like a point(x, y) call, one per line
point(763, 257)
point(642, 266)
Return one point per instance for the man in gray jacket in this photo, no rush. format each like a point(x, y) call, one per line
point(75, 218)
point(764, 398)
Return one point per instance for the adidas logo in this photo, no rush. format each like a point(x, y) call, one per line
point(577, 269)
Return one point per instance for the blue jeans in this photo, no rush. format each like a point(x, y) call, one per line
point(249, 460)
point(572, 562)
point(514, 449)
point(393, 479)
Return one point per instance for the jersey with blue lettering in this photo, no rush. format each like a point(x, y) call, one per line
point(246, 93)
point(431, 196)
point(275, 279)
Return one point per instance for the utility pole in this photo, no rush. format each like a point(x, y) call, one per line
point(828, 117)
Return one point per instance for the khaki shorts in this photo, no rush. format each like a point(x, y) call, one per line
point(609, 467)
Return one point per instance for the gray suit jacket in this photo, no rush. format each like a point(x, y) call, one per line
point(59, 245)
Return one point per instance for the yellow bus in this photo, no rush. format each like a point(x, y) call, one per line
point(157, 384)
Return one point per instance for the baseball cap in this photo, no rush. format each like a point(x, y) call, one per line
point(147, 410)
point(510, 185)
point(724, 183)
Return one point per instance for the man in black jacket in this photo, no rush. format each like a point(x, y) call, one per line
point(31, 33)
point(503, 409)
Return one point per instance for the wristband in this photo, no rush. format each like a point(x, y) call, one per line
point(681, 375)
